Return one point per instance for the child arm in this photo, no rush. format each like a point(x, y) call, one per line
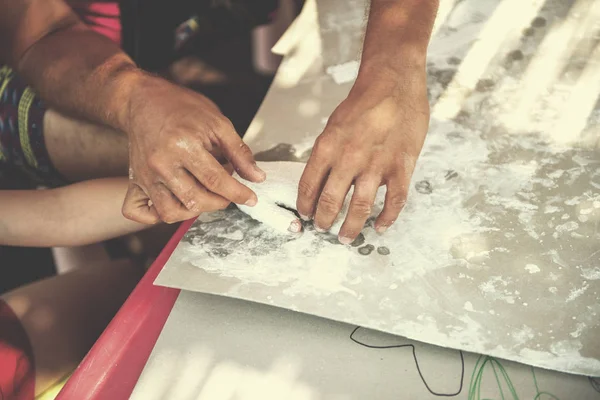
point(75, 215)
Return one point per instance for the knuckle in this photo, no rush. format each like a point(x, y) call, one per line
point(361, 208)
point(305, 189)
point(328, 203)
point(324, 146)
point(189, 201)
point(166, 215)
point(353, 155)
point(155, 162)
point(244, 150)
point(338, 116)
point(220, 124)
point(189, 194)
point(212, 180)
point(397, 200)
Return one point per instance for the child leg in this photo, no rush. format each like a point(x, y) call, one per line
point(63, 316)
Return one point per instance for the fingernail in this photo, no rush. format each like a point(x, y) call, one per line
point(319, 229)
point(295, 226)
point(260, 172)
point(304, 217)
point(251, 202)
point(150, 203)
point(345, 240)
point(381, 228)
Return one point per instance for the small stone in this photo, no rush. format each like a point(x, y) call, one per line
point(485, 85)
point(453, 60)
point(424, 187)
point(444, 76)
point(528, 31)
point(384, 251)
point(360, 239)
point(516, 55)
point(451, 174)
point(538, 22)
point(366, 250)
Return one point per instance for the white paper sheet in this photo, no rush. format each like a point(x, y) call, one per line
point(498, 249)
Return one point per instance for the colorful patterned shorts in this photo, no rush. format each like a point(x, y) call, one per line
point(23, 154)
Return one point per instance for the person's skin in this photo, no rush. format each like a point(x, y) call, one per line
point(75, 215)
point(171, 130)
point(64, 315)
point(375, 135)
point(81, 150)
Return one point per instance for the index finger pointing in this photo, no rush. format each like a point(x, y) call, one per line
point(238, 153)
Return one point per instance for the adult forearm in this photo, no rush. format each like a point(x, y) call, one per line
point(82, 73)
point(72, 68)
point(396, 38)
point(78, 214)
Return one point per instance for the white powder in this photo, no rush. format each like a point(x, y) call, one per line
point(575, 293)
point(577, 332)
point(275, 263)
point(236, 235)
point(551, 209)
point(591, 274)
point(468, 306)
point(532, 268)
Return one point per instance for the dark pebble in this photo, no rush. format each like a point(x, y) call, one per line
point(538, 22)
point(360, 239)
point(462, 116)
point(528, 31)
point(516, 55)
point(424, 187)
point(485, 85)
point(454, 61)
point(221, 253)
point(444, 76)
point(384, 251)
point(366, 250)
point(451, 174)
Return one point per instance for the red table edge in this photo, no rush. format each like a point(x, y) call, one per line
point(114, 364)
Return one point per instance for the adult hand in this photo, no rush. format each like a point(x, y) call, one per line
point(174, 175)
point(373, 138)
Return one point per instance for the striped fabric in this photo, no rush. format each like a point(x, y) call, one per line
point(22, 145)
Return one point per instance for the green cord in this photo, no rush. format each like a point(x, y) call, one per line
point(498, 381)
point(501, 375)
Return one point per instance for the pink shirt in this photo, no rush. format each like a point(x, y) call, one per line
point(109, 26)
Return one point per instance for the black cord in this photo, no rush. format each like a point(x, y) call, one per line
point(399, 346)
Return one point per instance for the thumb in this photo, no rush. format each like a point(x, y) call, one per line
point(138, 207)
